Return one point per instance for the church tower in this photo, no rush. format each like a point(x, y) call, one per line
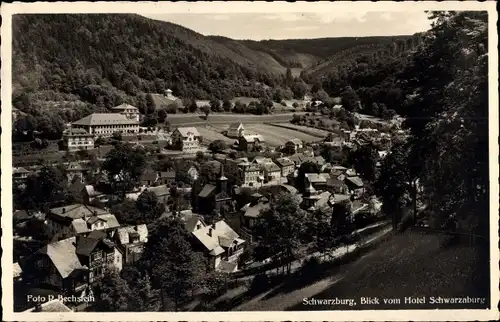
point(222, 181)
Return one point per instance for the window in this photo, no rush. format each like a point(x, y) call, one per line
point(97, 256)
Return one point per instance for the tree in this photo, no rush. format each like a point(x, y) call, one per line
point(446, 110)
point(149, 207)
point(364, 161)
point(112, 294)
point(169, 258)
point(146, 298)
point(126, 212)
point(215, 105)
point(280, 229)
point(150, 104)
point(192, 106)
point(124, 165)
point(45, 189)
point(206, 110)
point(217, 146)
point(350, 100)
point(299, 89)
point(226, 105)
point(289, 78)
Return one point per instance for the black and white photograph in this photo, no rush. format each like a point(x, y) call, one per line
point(214, 157)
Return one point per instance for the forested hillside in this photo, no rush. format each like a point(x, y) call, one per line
point(67, 66)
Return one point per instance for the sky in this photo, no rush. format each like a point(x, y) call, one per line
point(297, 25)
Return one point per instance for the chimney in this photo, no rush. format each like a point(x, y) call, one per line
point(64, 210)
point(210, 231)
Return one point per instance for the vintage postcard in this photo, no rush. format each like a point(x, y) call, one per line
point(250, 161)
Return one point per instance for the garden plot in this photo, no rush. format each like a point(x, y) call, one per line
point(211, 134)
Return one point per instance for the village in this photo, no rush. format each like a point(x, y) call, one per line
point(85, 239)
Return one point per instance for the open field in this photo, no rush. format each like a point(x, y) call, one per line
point(193, 119)
point(211, 134)
point(276, 135)
point(410, 264)
point(305, 129)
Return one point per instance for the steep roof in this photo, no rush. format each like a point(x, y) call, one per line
point(159, 191)
point(63, 255)
point(235, 126)
point(105, 119)
point(124, 106)
point(221, 235)
point(289, 188)
point(206, 191)
point(125, 232)
point(271, 166)
point(185, 131)
point(252, 138)
point(295, 141)
point(284, 162)
point(76, 211)
point(255, 210)
point(356, 181)
point(76, 132)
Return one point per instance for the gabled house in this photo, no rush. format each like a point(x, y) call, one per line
point(77, 219)
point(271, 171)
point(166, 177)
point(149, 177)
point(221, 244)
point(294, 145)
point(162, 193)
point(355, 185)
point(99, 254)
point(250, 213)
point(286, 165)
point(186, 139)
point(318, 180)
point(235, 130)
point(248, 143)
point(250, 174)
point(130, 241)
point(57, 265)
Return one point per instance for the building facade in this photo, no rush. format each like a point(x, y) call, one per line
point(286, 165)
point(129, 111)
point(76, 139)
point(105, 124)
point(235, 130)
point(186, 139)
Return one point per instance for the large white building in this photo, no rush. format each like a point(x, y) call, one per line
point(129, 111)
point(105, 124)
point(186, 139)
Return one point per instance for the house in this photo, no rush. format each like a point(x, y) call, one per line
point(355, 185)
point(76, 139)
point(271, 171)
point(129, 111)
point(250, 174)
point(130, 241)
point(214, 197)
point(76, 172)
point(248, 143)
point(336, 185)
point(161, 192)
point(186, 139)
point(99, 254)
point(90, 195)
point(249, 216)
point(191, 221)
point(318, 180)
point(221, 244)
point(105, 124)
point(20, 175)
point(294, 145)
point(166, 177)
point(149, 177)
point(57, 265)
point(77, 219)
point(286, 165)
point(235, 130)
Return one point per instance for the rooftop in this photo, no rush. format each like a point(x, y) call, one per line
point(217, 236)
point(97, 119)
point(124, 107)
point(186, 131)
